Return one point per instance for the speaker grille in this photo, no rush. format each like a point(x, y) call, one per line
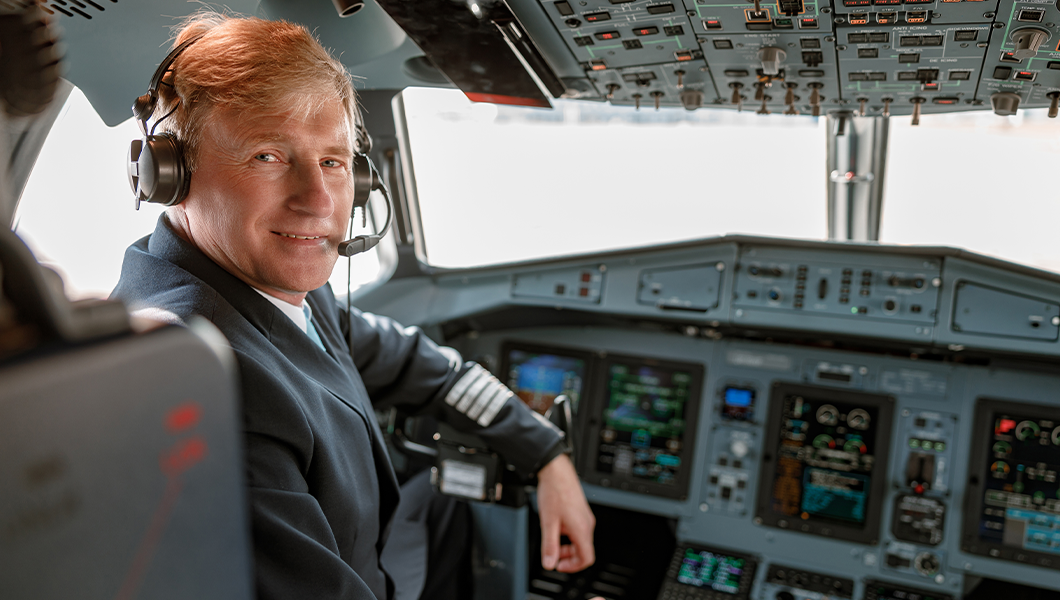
point(69, 8)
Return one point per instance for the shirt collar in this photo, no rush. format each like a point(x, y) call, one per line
point(299, 315)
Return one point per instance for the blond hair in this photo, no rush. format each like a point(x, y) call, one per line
point(247, 64)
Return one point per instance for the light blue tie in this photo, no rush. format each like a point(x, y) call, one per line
point(310, 330)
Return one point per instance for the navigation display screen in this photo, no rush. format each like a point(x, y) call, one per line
point(1021, 494)
point(646, 421)
point(826, 474)
point(538, 376)
point(719, 572)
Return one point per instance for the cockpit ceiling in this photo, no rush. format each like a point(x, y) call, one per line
point(871, 57)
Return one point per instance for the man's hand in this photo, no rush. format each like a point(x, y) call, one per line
point(564, 511)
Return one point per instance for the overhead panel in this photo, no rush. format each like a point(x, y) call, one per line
point(1023, 59)
point(891, 67)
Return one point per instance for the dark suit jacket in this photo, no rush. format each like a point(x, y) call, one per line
point(322, 490)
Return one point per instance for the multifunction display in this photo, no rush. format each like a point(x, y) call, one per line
point(646, 422)
point(539, 375)
point(703, 573)
point(1017, 495)
point(825, 473)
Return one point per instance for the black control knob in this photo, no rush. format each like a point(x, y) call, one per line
point(1054, 104)
point(1026, 41)
point(1005, 104)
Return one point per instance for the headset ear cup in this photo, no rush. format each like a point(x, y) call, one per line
point(157, 172)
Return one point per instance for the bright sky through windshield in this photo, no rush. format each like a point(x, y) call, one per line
point(499, 184)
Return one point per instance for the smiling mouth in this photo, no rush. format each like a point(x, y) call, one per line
point(299, 237)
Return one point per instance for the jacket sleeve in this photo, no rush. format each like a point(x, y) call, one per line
point(296, 554)
point(401, 367)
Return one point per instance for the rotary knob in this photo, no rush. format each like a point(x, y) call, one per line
point(739, 448)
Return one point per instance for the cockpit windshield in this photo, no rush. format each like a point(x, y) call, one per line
point(501, 183)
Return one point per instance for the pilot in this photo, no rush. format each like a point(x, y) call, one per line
point(266, 120)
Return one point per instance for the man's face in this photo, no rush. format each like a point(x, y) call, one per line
point(271, 197)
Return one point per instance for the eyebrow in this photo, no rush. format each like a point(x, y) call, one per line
point(342, 150)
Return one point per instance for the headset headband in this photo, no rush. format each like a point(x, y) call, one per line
point(144, 106)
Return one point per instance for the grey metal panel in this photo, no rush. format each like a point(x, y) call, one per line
point(989, 311)
point(693, 288)
point(956, 271)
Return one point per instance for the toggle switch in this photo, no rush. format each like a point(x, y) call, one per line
point(1054, 103)
point(861, 106)
point(657, 96)
point(680, 79)
point(636, 101)
point(764, 110)
point(790, 98)
point(917, 101)
point(737, 98)
point(815, 98)
point(611, 89)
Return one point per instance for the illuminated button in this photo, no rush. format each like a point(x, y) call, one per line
point(919, 489)
point(808, 23)
point(928, 445)
point(712, 23)
point(597, 65)
point(587, 276)
point(583, 292)
point(606, 35)
point(946, 100)
point(564, 8)
point(596, 17)
point(930, 87)
point(913, 443)
point(584, 40)
point(723, 44)
point(660, 9)
point(940, 446)
point(646, 30)
point(684, 55)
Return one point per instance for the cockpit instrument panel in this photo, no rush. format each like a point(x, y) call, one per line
point(1013, 500)
point(538, 375)
point(642, 425)
point(825, 462)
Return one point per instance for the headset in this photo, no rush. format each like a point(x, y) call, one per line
point(158, 172)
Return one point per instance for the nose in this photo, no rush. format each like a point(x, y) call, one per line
point(312, 195)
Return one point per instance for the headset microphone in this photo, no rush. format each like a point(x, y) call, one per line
point(366, 180)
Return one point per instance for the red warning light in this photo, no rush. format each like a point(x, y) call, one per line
point(1004, 426)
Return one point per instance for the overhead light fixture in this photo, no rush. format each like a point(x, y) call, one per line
point(348, 7)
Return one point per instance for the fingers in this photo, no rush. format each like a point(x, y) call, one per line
point(581, 553)
point(550, 549)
